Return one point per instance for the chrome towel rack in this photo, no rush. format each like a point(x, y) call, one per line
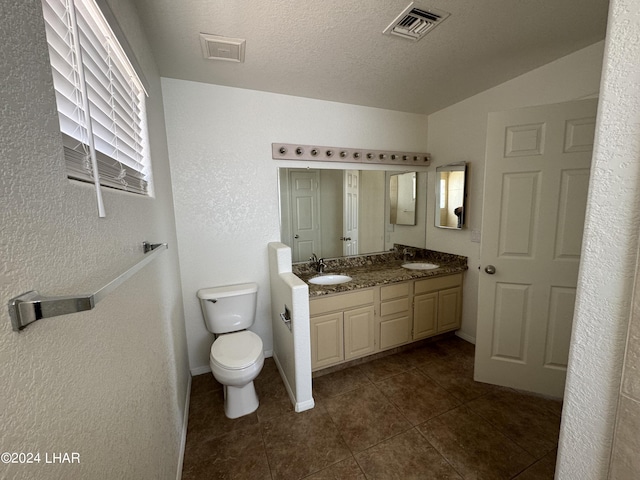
point(31, 306)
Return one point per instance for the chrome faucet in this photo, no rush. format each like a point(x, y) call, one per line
point(317, 264)
point(408, 254)
point(320, 265)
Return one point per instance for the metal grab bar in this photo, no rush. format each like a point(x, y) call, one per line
point(31, 306)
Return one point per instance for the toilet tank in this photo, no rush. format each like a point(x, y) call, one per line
point(229, 308)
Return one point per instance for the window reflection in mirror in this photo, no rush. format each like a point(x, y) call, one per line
point(451, 195)
point(402, 198)
point(335, 213)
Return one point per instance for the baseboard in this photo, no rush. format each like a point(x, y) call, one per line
point(292, 396)
point(200, 370)
point(302, 406)
point(466, 337)
point(297, 406)
point(185, 421)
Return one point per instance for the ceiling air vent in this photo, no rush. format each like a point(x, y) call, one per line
point(216, 47)
point(414, 23)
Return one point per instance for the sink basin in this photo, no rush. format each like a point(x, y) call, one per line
point(420, 266)
point(329, 279)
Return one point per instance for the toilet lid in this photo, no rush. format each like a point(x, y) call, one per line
point(236, 350)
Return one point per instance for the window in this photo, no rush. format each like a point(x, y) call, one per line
point(100, 98)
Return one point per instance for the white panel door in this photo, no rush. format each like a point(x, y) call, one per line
point(350, 217)
point(535, 193)
point(305, 214)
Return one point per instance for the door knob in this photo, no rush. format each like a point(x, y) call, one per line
point(296, 236)
point(490, 269)
point(345, 239)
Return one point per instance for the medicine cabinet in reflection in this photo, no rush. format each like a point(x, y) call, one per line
point(402, 198)
point(451, 195)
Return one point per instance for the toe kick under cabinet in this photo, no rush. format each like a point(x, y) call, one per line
point(355, 324)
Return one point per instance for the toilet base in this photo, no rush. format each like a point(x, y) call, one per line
point(240, 401)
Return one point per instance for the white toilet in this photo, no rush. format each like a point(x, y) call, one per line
point(236, 354)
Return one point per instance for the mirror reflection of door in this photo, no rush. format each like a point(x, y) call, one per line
point(402, 198)
point(305, 218)
point(350, 212)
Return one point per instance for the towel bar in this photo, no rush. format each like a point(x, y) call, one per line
point(31, 306)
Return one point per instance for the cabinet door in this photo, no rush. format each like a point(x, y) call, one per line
point(358, 332)
point(425, 315)
point(449, 309)
point(395, 331)
point(327, 345)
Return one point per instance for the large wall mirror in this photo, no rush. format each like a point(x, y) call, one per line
point(335, 213)
point(451, 195)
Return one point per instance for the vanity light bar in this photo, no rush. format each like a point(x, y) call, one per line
point(288, 151)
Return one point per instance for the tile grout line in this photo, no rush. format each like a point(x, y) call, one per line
point(509, 436)
point(438, 451)
point(266, 453)
point(343, 439)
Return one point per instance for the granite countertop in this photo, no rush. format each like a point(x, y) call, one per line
point(379, 269)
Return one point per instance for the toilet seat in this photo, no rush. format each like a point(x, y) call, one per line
point(235, 351)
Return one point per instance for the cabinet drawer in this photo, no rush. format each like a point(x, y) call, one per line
point(394, 306)
point(339, 302)
point(394, 291)
point(439, 283)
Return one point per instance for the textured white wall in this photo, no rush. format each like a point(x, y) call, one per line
point(109, 384)
point(458, 133)
point(609, 256)
point(225, 182)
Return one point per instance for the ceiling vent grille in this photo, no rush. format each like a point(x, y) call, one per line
point(414, 23)
point(216, 47)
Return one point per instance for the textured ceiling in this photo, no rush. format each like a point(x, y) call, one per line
point(335, 50)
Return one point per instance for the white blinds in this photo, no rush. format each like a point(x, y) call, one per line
point(92, 75)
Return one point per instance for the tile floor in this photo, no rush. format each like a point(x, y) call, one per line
point(417, 414)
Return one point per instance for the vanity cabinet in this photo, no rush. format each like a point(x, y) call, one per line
point(437, 305)
point(354, 324)
point(395, 315)
point(342, 327)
